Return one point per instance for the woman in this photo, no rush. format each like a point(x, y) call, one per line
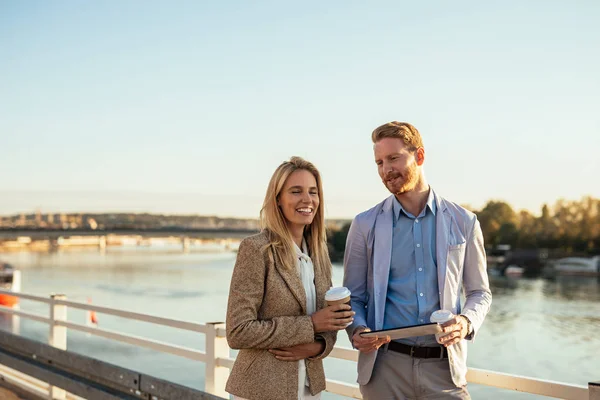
point(278, 284)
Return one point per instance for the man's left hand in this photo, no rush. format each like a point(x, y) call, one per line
point(299, 352)
point(454, 331)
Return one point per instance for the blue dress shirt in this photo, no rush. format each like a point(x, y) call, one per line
point(413, 284)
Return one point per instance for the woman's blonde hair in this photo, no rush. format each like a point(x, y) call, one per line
point(273, 221)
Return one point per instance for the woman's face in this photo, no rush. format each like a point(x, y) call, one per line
point(299, 199)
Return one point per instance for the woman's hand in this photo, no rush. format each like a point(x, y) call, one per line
point(332, 318)
point(299, 352)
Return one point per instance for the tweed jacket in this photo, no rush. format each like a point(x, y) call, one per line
point(267, 310)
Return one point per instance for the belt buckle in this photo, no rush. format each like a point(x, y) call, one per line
point(441, 352)
point(412, 350)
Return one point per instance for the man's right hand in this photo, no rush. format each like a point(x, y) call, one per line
point(370, 344)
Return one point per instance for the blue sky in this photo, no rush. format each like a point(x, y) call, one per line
point(188, 107)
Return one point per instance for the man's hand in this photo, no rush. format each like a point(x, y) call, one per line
point(368, 345)
point(299, 352)
point(454, 331)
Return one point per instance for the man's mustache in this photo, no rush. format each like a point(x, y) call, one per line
point(391, 175)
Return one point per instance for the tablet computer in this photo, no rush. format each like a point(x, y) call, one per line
point(406, 331)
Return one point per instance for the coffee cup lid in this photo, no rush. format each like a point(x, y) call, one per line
point(441, 316)
point(337, 293)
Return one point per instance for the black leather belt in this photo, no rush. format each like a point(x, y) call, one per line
point(419, 352)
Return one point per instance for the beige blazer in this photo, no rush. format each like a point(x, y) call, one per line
point(267, 310)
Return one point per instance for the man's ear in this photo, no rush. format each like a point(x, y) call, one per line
point(420, 156)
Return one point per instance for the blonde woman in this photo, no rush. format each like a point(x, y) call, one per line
point(276, 313)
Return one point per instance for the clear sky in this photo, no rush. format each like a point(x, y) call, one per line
point(189, 106)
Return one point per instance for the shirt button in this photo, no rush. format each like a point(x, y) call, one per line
point(420, 269)
point(421, 320)
point(418, 245)
point(421, 294)
point(417, 221)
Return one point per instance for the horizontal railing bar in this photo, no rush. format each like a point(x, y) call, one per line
point(138, 341)
point(529, 385)
point(35, 317)
point(26, 385)
point(343, 388)
point(221, 332)
point(57, 378)
point(225, 362)
point(26, 296)
point(344, 353)
point(173, 323)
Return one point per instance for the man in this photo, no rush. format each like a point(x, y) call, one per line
point(408, 256)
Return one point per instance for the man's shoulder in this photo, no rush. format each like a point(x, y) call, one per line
point(371, 213)
point(457, 210)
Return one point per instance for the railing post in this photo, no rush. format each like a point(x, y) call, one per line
point(216, 347)
point(594, 390)
point(16, 287)
point(57, 337)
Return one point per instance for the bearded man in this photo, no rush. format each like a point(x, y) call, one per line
point(410, 255)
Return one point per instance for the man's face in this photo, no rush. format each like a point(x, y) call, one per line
point(396, 165)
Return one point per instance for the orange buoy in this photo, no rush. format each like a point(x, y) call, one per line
point(92, 318)
point(8, 301)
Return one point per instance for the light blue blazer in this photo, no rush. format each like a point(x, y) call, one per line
point(461, 265)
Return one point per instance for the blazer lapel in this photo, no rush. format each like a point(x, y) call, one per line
point(442, 231)
point(291, 278)
point(382, 256)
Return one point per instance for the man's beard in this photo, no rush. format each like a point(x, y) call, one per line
point(410, 180)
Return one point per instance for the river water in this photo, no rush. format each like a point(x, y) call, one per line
point(538, 328)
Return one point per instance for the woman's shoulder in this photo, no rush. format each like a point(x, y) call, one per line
point(257, 240)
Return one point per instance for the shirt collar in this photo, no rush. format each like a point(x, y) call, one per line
point(397, 207)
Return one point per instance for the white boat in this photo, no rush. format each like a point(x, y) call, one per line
point(514, 271)
point(577, 266)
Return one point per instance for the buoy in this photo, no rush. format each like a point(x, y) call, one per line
point(8, 301)
point(92, 319)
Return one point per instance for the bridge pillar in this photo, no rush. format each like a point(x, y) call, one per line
point(102, 243)
point(185, 244)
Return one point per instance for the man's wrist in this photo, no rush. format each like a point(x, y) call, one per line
point(469, 325)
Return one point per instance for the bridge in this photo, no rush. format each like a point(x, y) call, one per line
point(54, 234)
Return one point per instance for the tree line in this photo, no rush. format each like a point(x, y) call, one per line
point(568, 226)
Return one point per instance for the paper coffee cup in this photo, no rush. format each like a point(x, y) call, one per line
point(337, 295)
point(440, 316)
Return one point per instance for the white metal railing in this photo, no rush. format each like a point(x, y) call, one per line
point(217, 353)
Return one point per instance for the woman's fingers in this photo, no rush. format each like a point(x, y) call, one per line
point(281, 353)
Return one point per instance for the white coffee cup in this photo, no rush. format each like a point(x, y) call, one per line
point(441, 316)
point(337, 295)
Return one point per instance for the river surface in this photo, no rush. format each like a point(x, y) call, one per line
point(537, 328)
